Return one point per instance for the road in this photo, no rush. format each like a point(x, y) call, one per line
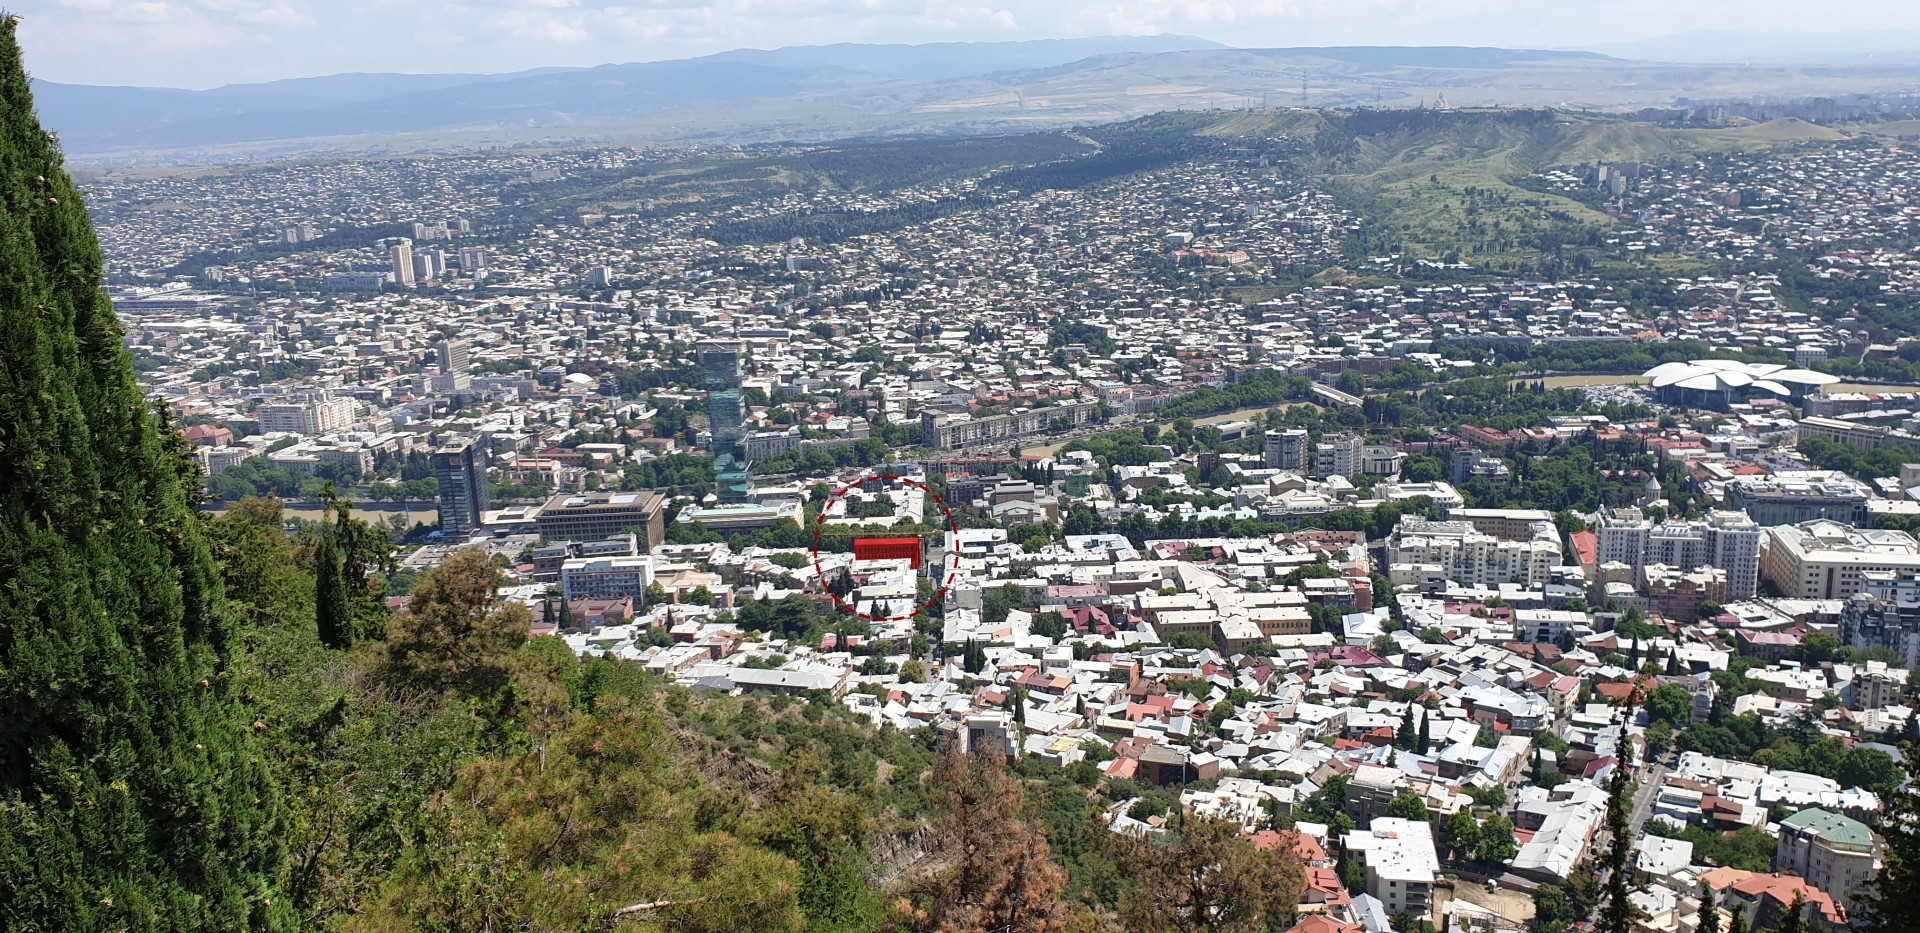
point(1648, 789)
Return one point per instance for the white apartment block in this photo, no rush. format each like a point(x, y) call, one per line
point(311, 417)
point(606, 577)
point(1828, 560)
point(1338, 455)
point(1401, 863)
point(1457, 551)
point(1728, 541)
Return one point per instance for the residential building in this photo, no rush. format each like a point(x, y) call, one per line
point(950, 430)
point(1729, 541)
point(1400, 863)
point(400, 258)
point(1507, 524)
point(1875, 685)
point(606, 577)
point(1338, 455)
point(311, 416)
point(1885, 613)
point(461, 467)
point(455, 367)
point(1285, 450)
point(1421, 552)
point(1467, 463)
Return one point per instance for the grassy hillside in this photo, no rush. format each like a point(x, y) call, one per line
point(1444, 183)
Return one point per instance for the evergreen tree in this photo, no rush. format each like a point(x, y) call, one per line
point(131, 796)
point(1617, 910)
point(1403, 738)
point(1739, 924)
point(973, 658)
point(1425, 740)
point(331, 612)
point(1673, 663)
point(1001, 875)
point(1709, 911)
point(1889, 903)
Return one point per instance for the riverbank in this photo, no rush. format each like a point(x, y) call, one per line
point(413, 513)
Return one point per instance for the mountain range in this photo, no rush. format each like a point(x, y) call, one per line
point(815, 93)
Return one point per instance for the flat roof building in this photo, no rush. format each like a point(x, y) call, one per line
point(1401, 863)
point(606, 577)
point(1830, 560)
point(595, 516)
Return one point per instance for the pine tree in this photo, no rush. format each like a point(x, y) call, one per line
point(1001, 874)
point(131, 796)
point(331, 611)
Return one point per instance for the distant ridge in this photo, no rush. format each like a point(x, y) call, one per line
point(91, 115)
point(813, 94)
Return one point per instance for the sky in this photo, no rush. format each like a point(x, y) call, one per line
point(205, 43)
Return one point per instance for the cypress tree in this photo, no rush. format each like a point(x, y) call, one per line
point(1709, 910)
point(1739, 924)
point(331, 613)
point(1403, 737)
point(131, 795)
point(1617, 912)
point(1425, 741)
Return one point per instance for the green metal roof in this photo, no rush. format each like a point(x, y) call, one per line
point(1834, 828)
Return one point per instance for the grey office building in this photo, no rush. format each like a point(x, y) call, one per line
point(461, 467)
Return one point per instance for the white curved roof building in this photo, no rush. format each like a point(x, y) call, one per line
point(1718, 383)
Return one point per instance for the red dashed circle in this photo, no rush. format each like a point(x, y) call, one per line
point(952, 569)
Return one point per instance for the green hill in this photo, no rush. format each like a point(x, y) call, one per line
point(1449, 183)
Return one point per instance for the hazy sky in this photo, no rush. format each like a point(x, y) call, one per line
point(202, 43)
